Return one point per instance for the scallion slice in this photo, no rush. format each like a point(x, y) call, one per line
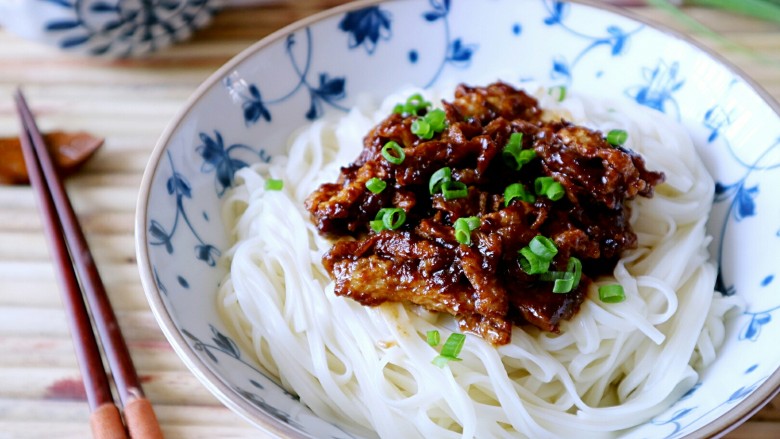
point(463, 228)
point(558, 92)
point(443, 175)
point(437, 119)
point(543, 247)
point(393, 153)
point(453, 345)
point(531, 263)
point(433, 338)
point(612, 293)
point(393, 217)
point(548, 187)
point(442, 360)
point(617, 137)
point(388, 218)
point(453, 190)
point(274, 185)
point(513, 153)
point(516, 191)
point(422, 129)
point(563, 285)
point(376, 185)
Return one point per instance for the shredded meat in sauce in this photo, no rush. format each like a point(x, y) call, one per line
point(482, 284)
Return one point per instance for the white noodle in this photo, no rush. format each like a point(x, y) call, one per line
point(613, 366)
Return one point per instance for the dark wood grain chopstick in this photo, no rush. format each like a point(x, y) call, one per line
point(69, 247)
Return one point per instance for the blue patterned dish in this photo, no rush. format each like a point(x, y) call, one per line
point(113, 28)
point(245, 112)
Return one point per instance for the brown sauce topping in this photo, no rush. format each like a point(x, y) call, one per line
point(482, 284)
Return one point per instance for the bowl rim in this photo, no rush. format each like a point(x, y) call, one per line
point(719, 427)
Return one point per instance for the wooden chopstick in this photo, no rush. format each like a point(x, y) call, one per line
point(63, 229)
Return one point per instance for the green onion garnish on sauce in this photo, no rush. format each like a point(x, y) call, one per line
point(433, 122)
point(617, 137)
point(422, 129)
point(463, 228)
point(535, 258)
point(453, 190)
point(513, 153)
point(543, 247)
point(376, 185)
point(274, 185)
point(516, 191)
point(443, 175)
point(393, 153)
point(612, 293)
point(450, 350)
point(412, 106)
point(433, 338)
point(388, 218)
point(549, 188)
point(565, 281)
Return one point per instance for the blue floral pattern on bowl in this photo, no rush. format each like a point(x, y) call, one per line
point(251, 106)
point(123, 28)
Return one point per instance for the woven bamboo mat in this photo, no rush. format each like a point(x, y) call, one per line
point(129, 103)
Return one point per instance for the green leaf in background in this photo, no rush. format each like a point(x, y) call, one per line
point(764, 9)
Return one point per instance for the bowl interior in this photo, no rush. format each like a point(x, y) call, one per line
point(324, 65)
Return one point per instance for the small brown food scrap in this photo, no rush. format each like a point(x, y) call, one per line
point(69, 151)
point(482, 284)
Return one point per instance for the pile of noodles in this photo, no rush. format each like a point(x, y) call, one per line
point(612, 366)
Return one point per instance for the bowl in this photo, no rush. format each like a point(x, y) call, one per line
point(109, 28)
point(322, 65)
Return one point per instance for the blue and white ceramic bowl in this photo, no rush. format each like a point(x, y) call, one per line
point(246, 111)
point(113, 28)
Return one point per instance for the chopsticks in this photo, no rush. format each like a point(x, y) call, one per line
point(69, 248)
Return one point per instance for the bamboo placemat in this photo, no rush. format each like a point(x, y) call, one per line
point(129, 103)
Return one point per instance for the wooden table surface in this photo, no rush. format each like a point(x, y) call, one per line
point(129, 103)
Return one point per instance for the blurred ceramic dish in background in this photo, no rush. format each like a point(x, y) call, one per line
point(114, 28)
point(320, 66)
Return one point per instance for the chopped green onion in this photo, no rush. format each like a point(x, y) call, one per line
point(543, 247)
point(453, 345)
point(555, 192)
point(612, 293)
point(376, 185)
point(541, 184)
point(422, 129)
point(563, 285)
point(437, 119)
point(517, 191)
point(565, 281)
point(377, 225)
point(558, 92)
point(463, 227)
point(388, 218)
point(454, 189)
point(412, 106)
point(393, 153)
point(548, 187)
point(617, 137)
point(443, 175)
point(513, 153)
point(531, 263)
point(393, 217)
point(433, 338)
point(442, 360)
point(433, 122)
point(274, 185)
point(575, 267)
